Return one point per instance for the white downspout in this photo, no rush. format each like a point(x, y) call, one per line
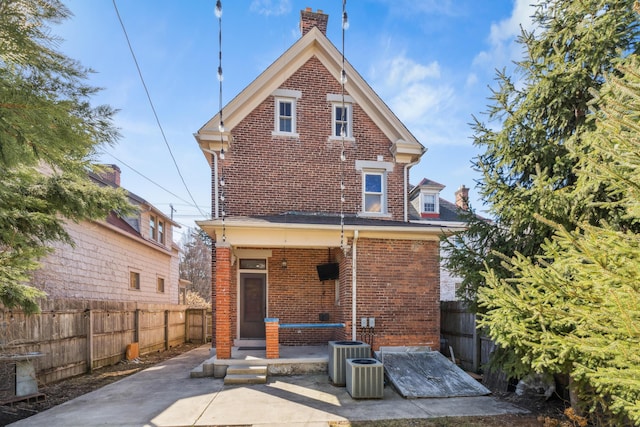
point(353, 285)
point(214, 155)
point(406, 189)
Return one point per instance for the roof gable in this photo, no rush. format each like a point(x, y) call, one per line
point(405, 147)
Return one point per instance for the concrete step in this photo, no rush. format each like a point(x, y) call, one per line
point(247, 370)
point(246, 374)
point(245, 379)
point(205, 369)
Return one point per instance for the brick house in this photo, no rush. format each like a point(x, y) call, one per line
point(280, 164)
point(428, 207)
point(129, 258)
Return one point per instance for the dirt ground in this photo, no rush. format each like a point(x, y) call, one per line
point(543, 413)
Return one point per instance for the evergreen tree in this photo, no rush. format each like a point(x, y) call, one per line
point(576, 308)
point(49, 134)
point(528, 163)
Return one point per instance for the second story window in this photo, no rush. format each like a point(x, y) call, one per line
point(157, 229)
point(374, 187)
point(373, 192)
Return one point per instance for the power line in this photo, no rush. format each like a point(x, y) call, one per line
point(164, 138)
point(190, 204)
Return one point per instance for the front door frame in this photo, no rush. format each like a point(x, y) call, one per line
point(263, 304)
point(251, 254)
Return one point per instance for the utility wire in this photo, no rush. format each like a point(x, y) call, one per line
point(135, 60)
point(188, 203)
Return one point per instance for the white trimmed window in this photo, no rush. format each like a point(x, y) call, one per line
point(342, 120)
point(374, 187)
point(285, 116)
point(285, 101)
point(429, 203)
point(341, 116)
point(373, 192)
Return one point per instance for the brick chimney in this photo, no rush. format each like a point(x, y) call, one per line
point(462, 197)
point(310, 19)
point(111, 174)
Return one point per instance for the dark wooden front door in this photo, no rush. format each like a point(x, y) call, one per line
point(253, 305)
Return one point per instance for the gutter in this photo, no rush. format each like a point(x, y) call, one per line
point(406, 188)
point(214, 155)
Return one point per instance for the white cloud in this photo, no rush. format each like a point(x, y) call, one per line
point(502, 37)
point(415, 92)
point(271, 7)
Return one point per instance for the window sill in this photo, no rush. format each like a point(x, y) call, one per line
point(339, 138)
point(374, 215)
point(285, 134)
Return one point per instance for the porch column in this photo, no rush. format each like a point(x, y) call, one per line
point(272, 334)
point(223, 301)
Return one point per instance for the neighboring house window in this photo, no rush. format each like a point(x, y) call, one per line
point(134, 280)
point(429, 203)
point(152, 227)
point(160, 284)
point(161, 232)
point(285, 101)
point(373, 192)
point(156, 229)
point(342, 121)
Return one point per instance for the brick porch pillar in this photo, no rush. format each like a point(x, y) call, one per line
point(272, 333)
point(223, 301)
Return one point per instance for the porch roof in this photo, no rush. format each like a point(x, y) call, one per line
point(302, 229)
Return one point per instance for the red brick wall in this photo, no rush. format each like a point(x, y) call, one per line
point(398, 284)
point(268, 174)
point(296, 295)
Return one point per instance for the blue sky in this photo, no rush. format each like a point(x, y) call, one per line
point(431, 61)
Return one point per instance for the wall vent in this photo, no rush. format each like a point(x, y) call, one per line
point(339, 352)
point(365, 378)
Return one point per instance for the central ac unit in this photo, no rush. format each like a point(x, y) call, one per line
point(339, 352)
point(365, 378)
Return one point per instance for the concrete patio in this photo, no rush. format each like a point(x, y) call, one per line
point(165, 395)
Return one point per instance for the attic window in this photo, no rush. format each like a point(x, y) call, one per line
point(429, 204)
point(156, 229)
point(341, 116)
point(284, 123)
point(342, 119)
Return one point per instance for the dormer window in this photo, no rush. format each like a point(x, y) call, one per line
point(284, 123)
point(157, 229)
point(429, 204)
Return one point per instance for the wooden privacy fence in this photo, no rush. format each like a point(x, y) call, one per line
point(458, 331)
point(75, 336)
